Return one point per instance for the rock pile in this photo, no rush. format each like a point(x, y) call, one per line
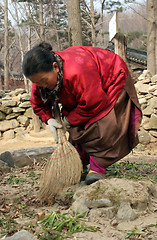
point(15, 113)
point(146, 87)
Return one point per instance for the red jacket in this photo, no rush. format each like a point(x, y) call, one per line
point(93, 78)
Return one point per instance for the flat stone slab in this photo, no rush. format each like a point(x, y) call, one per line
point(141, 158)
point(21, 235)
point(27, 156)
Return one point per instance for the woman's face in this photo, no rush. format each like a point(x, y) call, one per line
point(46, 79)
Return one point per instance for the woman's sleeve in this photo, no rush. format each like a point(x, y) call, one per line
point(42, 110)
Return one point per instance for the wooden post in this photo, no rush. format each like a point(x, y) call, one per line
point(120, 42)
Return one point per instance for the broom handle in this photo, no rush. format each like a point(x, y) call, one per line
point(60, 131)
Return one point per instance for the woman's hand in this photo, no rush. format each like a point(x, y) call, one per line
point(53, 124)
point(66, 123)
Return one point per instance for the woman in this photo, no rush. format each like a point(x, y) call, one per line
point(100, 108)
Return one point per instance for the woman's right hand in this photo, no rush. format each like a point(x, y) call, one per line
point(53, 124)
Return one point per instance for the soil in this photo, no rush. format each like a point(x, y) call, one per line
point(19, 202)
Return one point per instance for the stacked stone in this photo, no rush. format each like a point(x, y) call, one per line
point(15, 113)
point(146, 87)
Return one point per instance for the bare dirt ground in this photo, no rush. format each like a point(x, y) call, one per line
point(21, 209)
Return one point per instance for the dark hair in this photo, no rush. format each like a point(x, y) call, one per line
point(38, 59)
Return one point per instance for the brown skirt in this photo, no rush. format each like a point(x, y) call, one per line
point(114, 136)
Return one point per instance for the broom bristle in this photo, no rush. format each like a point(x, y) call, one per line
point(63, 169)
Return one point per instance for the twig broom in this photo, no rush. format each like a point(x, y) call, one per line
point(63, 168)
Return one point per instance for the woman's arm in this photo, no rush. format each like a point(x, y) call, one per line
point(42, 110)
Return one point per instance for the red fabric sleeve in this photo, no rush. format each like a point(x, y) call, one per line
point(40, 109)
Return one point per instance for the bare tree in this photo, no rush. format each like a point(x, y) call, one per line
point(152, 36)
point(41, 22)
point(92, 23)
point(102, 25)
point(6, 47)
point(74, 22)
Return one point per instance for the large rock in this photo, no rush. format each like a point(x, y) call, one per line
point(25, 97)
point(18, 110)
point(147, 111)
point(7, 158)
point(2, 116)
point(126, 196)
point(26, 104)
point(23, 120)
point(153, 121)
point(142, 88)
point(6, 110)
point(9, 103)
point(145, 76)
point(21, 235)
point(26, 156)
point(144, 137)
point(12, 115)
point(6, 125)
point(4, 168)
point(154, 79)
point(7, 135)
point(125, 212)
point(29, 112)
point(18, 91)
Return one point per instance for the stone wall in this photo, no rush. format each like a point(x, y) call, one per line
point(146, 87)
point(16, 112)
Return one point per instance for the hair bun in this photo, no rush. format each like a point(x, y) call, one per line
point(45, 45)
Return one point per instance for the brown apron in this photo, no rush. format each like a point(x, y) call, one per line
point(109, 139)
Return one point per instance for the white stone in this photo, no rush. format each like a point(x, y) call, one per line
point(142, 100)
point(9, 103)
point(125, 212)
point(19, 91)
point(25, 104)
point(154, 79)
point(142, 88)
point(147, 111)
point(23, 120)
point(155, 93)
point(153, 133)
point(25, 97)
point(9, 135)
point(153, 121)
point(18, 109)
point(144, 137)
point(2, 116)
point(152, 88)
point(8, 124)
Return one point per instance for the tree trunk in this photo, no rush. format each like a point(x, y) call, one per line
point(55, 26)
point(151, 36)
point(92, 24)
point(0, 80)
point(20, 41)
point(29, 47)
point(155, 7)
point(102, 24)
point(6, 47)
point(41, 22)
point(74, 22)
